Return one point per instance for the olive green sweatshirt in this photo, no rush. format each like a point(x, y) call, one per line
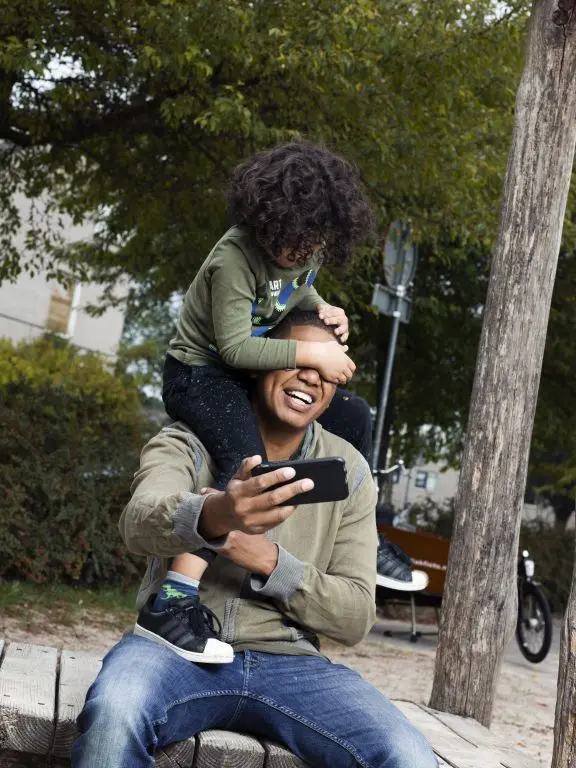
point(325, 578)
point(237, 295)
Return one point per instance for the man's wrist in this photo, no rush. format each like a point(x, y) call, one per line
point(269, 562)
point(214, 521)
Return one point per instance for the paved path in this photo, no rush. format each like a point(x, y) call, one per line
point(427, 644)
point(525, 696)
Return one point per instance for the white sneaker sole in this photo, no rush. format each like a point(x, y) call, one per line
point(419, 582)
point(213, 654)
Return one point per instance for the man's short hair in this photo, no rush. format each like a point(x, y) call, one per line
point(297, 318)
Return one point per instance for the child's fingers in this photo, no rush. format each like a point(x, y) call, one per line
point(342, 332)
point(333, 312)
point(331, 320)
point(327, 310)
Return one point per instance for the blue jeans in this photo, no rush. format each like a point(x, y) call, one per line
point(147, 697)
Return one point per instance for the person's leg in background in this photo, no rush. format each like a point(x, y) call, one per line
point(349, 417)
point(328, 715)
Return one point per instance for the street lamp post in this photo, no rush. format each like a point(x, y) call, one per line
point(399, 267)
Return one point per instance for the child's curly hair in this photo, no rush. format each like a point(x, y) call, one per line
point(300, 195)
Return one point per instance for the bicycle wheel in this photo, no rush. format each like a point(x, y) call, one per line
point(534, 625)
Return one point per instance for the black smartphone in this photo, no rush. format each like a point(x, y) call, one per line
point(329, 476)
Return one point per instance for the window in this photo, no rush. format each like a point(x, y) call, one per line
point(426, 480)
point(60, 308)
point(421, 479)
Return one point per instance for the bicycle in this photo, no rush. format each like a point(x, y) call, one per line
point(534, 623)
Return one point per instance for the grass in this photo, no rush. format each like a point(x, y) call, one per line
point(36, 606)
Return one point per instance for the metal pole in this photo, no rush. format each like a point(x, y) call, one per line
point(386, 381)
point(407, 489)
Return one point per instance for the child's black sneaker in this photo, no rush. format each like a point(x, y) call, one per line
point(187, 628)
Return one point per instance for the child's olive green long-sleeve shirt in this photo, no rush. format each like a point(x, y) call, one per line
point(237, 295)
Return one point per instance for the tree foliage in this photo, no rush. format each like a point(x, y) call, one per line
point(553, 451)
point(134, 112)
point(70, 441)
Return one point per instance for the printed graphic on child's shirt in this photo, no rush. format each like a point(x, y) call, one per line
point(258, 329)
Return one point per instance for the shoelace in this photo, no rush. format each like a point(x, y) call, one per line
point(198, 616)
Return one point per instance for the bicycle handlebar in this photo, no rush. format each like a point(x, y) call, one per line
point(389, 470)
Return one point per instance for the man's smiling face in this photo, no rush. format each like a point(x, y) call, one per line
point(295, 397)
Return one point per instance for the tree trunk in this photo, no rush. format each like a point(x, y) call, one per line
point(479, 599)
point(564, 755)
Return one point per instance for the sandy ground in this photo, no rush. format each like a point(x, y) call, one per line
point(526, 694)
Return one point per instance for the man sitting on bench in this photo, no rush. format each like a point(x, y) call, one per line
point(285, 576)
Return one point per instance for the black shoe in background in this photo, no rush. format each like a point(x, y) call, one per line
point(394, 569)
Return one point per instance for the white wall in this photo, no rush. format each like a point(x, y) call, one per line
point(24, 304)
point(24, 307)
point(24, 311)
point(98, 334)
point(446, 485)
point(445, 489)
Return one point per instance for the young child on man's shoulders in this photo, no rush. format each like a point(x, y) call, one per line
point(293, 209)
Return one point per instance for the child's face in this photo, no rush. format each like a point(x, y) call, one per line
point(288, 259)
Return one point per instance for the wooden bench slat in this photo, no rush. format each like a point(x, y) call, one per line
point(180, 754)
point(453, 748)
point(224, 749)
point(278, 756)
point(78, 669)
point(478, 734)
point(27, 698)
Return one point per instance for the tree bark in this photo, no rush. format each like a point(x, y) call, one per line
point(564, 755)
point(480, 597)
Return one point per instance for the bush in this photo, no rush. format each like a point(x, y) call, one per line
point(70, 440)
point(553, 552)
point(428, 515)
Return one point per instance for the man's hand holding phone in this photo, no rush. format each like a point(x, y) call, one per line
point(250, 504)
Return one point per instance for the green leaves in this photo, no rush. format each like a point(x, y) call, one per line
point(141, 109)
point(70, 442)
point(133, 113)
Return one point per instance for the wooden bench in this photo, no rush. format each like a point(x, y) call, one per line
point(42, 691)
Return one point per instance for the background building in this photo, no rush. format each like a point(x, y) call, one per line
point(434, 481)
point(33, 305)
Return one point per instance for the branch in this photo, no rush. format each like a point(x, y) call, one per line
point(83, 128)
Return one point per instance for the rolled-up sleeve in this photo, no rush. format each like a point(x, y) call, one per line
point(161, 519)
